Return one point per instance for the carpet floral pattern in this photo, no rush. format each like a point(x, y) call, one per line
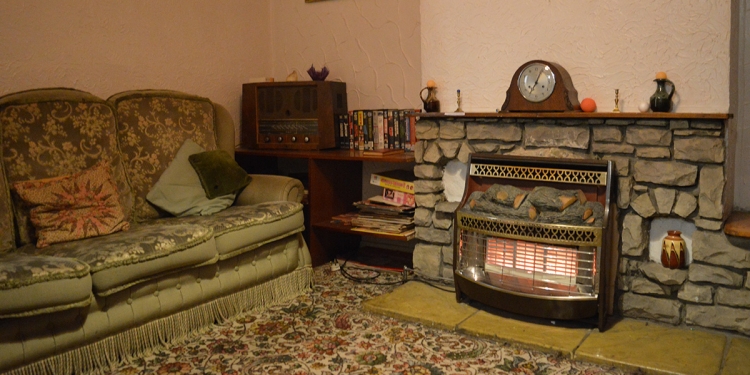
point(326, 332)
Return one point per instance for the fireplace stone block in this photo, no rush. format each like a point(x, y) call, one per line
point(715, 248)
point(694, 293)
point(718, 317)
point(714, 275)
point(652, 308)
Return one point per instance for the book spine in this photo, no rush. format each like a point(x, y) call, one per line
point(398, 197)
point(370, 133)
point(403, 120)
point(392, 183)
point(385, 128)
point(343, 127)
point(351, 130)
point(407, 132)
point(360, 130)
point(378, 119)
point(396, 127)
point(390, 129)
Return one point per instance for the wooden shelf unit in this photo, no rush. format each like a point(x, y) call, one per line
point(579, 115)
point(334, 183)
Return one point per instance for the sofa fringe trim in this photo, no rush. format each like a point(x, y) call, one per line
point(125, 346)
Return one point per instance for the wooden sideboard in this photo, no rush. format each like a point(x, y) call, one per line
point(334, 182)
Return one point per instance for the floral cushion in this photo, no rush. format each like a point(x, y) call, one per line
point(56, 132)
point(32, 285)
point(82, 205)
point(152, 125)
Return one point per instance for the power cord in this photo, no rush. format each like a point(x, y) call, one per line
point(435, 282)
point(407, 274)
point(367, 279)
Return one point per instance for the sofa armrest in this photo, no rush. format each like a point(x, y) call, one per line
point(268, 188)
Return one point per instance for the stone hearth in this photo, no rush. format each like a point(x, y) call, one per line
point(675, 168)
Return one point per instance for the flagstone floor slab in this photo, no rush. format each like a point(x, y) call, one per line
point(418, 302)
point(654, 349)
point(548, 338)
point(738, 357)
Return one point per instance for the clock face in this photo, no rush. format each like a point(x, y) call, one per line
point(536, 82)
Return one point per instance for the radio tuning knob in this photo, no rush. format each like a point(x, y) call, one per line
point(268, 139)
point(294, 139)
point(280, 139)
point(307, 139)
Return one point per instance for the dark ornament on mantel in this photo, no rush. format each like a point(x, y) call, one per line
point(661, 101)
point(318, 75)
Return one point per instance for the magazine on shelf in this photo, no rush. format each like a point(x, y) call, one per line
point(397, 179)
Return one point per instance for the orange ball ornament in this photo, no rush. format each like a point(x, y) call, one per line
point(588, 105)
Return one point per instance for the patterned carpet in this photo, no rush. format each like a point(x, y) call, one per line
point(326, 332)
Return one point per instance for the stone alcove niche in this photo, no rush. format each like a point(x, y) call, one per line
point(668, 167)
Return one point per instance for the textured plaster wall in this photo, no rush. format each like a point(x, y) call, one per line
point(372, 45)
point(207, 48)
point(476, 46)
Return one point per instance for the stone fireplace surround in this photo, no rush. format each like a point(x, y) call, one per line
point(668, 166)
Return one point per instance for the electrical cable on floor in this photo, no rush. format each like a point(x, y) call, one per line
point(368, 279)
point(435, 282)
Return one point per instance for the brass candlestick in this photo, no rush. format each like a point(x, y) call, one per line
point(458, 101)
point(617, 101)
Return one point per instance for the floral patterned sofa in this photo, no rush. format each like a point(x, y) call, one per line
point(80, 305)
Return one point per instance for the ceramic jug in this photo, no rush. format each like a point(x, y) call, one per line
point(673, 250)
point(431, 103)
point(661, 101)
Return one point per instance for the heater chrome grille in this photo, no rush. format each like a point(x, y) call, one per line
point(540, 174)
point(542, 232)
point(528, 267)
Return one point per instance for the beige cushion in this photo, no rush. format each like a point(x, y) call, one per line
point(179, 190)
point(34, 285)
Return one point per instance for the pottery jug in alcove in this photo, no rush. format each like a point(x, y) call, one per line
point(661, 101)
point(673, 250)
point(431, 103)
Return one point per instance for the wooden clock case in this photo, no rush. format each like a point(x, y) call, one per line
point(564, 97)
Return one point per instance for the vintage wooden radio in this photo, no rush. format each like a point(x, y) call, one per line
point(292, 115)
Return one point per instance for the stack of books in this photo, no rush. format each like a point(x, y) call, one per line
point(392, 212)
point(378, 130)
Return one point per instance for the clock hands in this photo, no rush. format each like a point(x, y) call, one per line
point(531, 89)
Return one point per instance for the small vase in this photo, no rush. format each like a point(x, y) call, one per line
point(673, 250)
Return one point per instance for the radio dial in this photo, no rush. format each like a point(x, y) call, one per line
point(280, 139)
point(294, 139)
point(307, 139)
point(268, 139)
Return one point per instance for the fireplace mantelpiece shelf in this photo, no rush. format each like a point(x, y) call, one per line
point(580, 115)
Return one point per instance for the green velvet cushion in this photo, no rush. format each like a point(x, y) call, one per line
point(179, 191)
point(219, 173)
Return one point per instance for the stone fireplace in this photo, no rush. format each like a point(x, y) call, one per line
point(674, 171)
